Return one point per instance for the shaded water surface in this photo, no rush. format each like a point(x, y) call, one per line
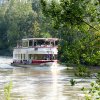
point(40, 83)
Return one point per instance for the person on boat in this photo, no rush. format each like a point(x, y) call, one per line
point(30, 61)
point(48, 57)
point(25, 61)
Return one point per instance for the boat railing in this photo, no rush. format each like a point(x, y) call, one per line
point(37, 46)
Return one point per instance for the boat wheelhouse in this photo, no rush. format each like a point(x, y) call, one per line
point(32, 51)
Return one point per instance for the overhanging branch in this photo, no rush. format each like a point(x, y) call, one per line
point(90, 25)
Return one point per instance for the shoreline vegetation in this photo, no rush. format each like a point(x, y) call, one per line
point(75, 22)
point(76, 27)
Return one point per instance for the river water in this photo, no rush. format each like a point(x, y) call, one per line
point(40, 83)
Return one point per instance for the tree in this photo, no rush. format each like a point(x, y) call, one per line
point(16, 22)
point(71, 12)
point(76, 20)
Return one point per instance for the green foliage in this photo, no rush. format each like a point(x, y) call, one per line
point(79, 48)
point(92, 93)
point(46, 35)
point(7, 91)
point(13, 16)
point(77, 22)
point(82, 71)
point(70, 12)
point(21, 19)
point(72, 81)
point(98, 78)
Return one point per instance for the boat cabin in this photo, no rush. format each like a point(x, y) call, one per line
point(38, 42)
point(36, 50)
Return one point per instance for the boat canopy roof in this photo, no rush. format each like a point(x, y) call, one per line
point(46, 39)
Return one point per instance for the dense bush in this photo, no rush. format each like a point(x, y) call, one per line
point(92, 93)
point(78, 24)
point(79, 50)
point(82, 71)
point(7, 91)
point(98, 78)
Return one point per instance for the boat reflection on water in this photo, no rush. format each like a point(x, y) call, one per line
point(55, 76)
point(38, 83)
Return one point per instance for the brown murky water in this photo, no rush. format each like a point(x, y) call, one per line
point(40, 83)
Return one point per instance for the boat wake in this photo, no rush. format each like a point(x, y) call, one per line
point(5, 62)
point(5, 66)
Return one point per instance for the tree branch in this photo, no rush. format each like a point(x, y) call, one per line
point(90, 25)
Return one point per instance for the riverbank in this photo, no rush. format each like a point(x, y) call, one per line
point(75, 66)
point(83, 71)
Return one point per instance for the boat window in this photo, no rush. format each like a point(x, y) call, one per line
point(30, 42)
point(21, 56)
point(35, 43)
point(24, 56)
point(25, 43)
point(56, 43)
point(30, 56)
point(52, 43)
point(39, 57)
point(40, 42)
point(47, 42)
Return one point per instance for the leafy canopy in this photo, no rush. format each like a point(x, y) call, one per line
point(71, 12)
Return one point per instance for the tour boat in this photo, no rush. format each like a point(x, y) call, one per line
point(35, 51)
